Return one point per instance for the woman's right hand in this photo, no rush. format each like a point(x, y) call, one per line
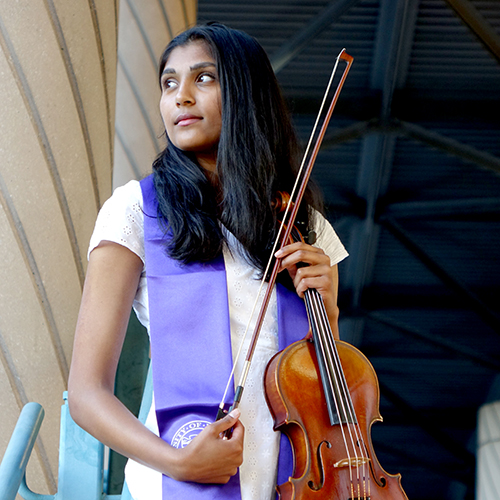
point(209, 458)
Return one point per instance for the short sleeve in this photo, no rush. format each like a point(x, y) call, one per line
point(328, 240)
point(120, 220)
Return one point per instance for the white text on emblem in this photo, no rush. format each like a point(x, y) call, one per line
point(188, 432)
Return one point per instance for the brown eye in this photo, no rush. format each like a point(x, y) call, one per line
point(168, 83)
point(206, 78)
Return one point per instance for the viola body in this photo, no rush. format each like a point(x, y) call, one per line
point(325, 463)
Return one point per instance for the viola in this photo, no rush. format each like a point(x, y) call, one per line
point(324, 395)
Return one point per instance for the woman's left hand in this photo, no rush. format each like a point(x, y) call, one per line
point(317, 273)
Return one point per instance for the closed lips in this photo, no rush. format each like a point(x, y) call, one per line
point(186, 119)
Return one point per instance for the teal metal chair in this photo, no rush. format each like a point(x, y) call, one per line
point(82, 472)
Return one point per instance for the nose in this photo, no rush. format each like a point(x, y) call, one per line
point(184, 95)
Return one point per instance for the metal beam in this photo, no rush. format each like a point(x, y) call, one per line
point(478, 25)
point(463, 151)
point(476, 304)
point(442, 208)
point(377, 152)
point(395, 33)
point(409, 105)
point(405, 456)
point(448, 105)
point(429, 137)
point(429, 426)
point(373, 178)
point(346, 134)
point(476, 357)
point(325, 18)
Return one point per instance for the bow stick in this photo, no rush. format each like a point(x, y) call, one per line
point(287, 226)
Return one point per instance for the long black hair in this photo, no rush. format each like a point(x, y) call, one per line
point(257, 156)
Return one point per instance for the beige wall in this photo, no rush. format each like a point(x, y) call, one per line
point(58, 69)
point(145, 29)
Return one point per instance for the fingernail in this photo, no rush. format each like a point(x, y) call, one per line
point(235, 413)
point(279, 253)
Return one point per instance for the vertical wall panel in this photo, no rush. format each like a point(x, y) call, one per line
point(57, 93)
point(58, 71)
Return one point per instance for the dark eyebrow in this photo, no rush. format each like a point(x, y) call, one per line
point(200, 65)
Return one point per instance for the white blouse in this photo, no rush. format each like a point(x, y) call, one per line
point(121, 221)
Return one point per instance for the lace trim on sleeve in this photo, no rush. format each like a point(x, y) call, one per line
point(121, 220)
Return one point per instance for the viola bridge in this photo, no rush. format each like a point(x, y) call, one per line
point(352, 462)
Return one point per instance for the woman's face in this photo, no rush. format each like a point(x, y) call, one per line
point(190, 103)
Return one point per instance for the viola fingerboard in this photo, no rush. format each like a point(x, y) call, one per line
point(338, 399)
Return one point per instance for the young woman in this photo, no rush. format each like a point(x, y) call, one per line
point(186, 248)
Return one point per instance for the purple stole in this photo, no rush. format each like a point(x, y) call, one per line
point(191, 348)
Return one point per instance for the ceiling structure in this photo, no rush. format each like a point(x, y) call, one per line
point(410, 170)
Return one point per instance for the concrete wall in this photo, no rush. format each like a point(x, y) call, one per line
point(58, 84)
point(145, 29)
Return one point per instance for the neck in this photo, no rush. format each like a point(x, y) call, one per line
point(208, 161)
point(213, 179)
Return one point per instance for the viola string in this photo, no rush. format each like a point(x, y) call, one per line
point(323, 344)
point(332, 375)
point(354, 429)
point(342, 384)
point(345, 396)
point(348, 408)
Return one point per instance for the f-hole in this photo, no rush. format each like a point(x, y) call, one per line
point(321, 468)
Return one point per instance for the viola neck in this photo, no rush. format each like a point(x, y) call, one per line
point(338, 399)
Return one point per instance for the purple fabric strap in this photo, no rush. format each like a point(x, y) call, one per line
point(191, 347)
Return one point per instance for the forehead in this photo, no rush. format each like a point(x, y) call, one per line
point(189, 54)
